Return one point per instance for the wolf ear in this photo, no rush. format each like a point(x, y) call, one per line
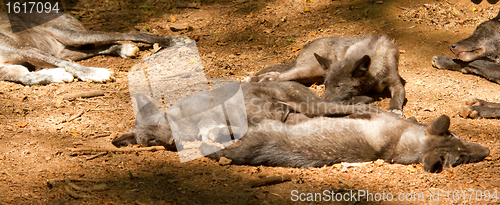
point(412, 119)
point(148, 112)
point(433, 162)
point(361, 66)
point(324, 62)
point(124, 140)
point(145, 105)
point(439, 126)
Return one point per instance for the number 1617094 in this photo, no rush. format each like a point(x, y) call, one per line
point(32, 7)
point(471, 195)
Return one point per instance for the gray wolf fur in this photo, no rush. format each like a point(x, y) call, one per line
point(325, 141)
point(350, 67)
point(288, 102)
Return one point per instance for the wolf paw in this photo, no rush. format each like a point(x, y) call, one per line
point(473, 101)
point(442, 62)
point(99, 75)
point(271, 76)
point(128, 50)
point(57, 75)
point(468, 111)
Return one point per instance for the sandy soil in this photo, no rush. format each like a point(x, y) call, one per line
point(236, 39)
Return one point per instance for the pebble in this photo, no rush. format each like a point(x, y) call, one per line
point(178, 27)
point(224, 161)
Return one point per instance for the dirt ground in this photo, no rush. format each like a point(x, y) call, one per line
point(236, 39)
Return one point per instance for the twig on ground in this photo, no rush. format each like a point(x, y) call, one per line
point(70, 185)
point(138, 149)
point(97, 155)
point(8, 174)
point(271, 180)
point(86, 94)
point(180, 4)
point(73, 117)
point(277, 195)
point(53, 181)
point(74, 194)
point(100, 135)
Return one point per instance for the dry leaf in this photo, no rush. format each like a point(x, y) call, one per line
point(195, 37)
point(315, 85)
point(411, 168)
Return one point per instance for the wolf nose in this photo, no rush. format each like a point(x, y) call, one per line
point(453, 46)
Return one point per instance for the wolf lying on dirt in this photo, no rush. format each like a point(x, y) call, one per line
point(350, 68)
point(50, 44)
point(358, 138)
point(287, 101)
point(478, 54)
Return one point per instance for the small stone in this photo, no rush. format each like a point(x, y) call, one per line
point(178, 27)
point(224, 161)
point(138, 27)
point(430, 109)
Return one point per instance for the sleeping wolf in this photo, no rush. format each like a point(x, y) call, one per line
point(56, 43)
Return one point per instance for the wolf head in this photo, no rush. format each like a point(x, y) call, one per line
point(344, 79)
point(151, 127)
point(444, 149)
point(483, 43)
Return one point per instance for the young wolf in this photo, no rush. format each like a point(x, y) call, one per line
point(51, 44)
point(325, 141)
point(350, 68)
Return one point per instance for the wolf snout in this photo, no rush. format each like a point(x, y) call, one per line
point(453, 46)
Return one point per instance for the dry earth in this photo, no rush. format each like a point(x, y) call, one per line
point(236, 39)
